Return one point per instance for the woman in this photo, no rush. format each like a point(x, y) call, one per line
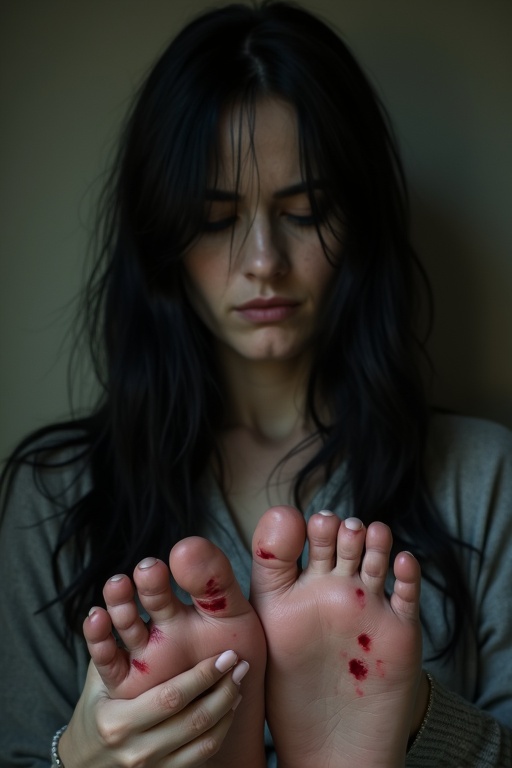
point(251, 316)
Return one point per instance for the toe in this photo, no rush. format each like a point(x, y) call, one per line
point(277, 544)
point(97, 629)
point(405, 599)
point(119, 598)
point(322, 532)
point(203, 570)
point(152, 579)
point(109, 660)
point(349, 549)
point(375, 565)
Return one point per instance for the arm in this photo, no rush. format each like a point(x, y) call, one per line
point(458, 733)
point(471, 710)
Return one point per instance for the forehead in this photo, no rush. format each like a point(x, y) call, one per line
point(260, 137)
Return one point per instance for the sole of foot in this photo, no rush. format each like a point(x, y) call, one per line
point(344, 661)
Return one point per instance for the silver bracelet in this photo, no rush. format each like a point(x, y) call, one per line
point(56, 761)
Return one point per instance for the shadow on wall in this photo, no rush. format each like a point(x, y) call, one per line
point(469, 339)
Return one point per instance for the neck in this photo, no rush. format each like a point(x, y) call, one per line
point(265, 397)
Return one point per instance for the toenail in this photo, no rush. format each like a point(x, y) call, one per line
point(326, 513)
point(240, 672)
point(353, 524)
point(117, 577)
point(225, 661)
point(148, 562)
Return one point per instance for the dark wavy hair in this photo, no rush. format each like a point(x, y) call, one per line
point(154, 431)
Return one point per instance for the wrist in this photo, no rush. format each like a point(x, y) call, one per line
point(56, 761)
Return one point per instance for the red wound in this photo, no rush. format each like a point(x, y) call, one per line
point(364, 641)
point(358, 669)
point(361, 597)
point(211, 588)
point(155, 635)
point(140, 666)
point(264, 554)
point(218, 604)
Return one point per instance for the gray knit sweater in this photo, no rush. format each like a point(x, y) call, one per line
point(469, 467)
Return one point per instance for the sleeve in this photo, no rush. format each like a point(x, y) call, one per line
point(475, 731)
point(458, 734)
point(43, 667)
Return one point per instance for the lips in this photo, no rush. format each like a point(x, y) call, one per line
point(262, 303)
point(271, 310)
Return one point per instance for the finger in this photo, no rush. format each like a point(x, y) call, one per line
point(201, 749)
point(123, 734)
point(168, 699)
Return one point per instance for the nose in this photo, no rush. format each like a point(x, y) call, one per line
point(264, 254)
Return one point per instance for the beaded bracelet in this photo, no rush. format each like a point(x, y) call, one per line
point(56, 761)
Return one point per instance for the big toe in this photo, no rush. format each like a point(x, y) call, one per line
point(277, 544)
point(203, 570)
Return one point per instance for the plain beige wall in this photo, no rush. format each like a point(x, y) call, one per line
point(444, 69)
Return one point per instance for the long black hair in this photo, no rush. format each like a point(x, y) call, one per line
point(149, 440)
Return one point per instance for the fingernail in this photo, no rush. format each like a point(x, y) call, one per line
point(406, 551)
point(353, 524)
point(237, 702)
point(326, 513)
point(240, 672)
point(92, 611)
point(117, 577)
point(225, 661)
point(148, 562)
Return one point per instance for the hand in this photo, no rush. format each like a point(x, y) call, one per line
point(177, 724)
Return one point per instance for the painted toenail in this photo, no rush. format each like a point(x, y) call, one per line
point(148, 562)
point(353, 524)
point(326, 513)
point(225, 661)
point(117, 577)
point(240, 672)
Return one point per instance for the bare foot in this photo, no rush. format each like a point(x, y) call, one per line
point(178, 636)
point(344, 662)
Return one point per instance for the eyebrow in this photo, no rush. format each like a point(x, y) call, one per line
point(224, 195)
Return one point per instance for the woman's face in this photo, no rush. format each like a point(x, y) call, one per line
point(258, 276)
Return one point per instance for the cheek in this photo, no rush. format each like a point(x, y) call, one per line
point(321, 276)
point(205, 284)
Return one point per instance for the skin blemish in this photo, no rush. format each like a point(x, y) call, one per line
point(358, 669)
point(364, 641)
point(264, 554)
point(380, 667)
point(140, 666)
point(361, 597)
point(155, 635)
point(217, 604)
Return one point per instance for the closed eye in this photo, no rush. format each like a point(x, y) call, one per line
point(219, 224)
point(303, 221)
